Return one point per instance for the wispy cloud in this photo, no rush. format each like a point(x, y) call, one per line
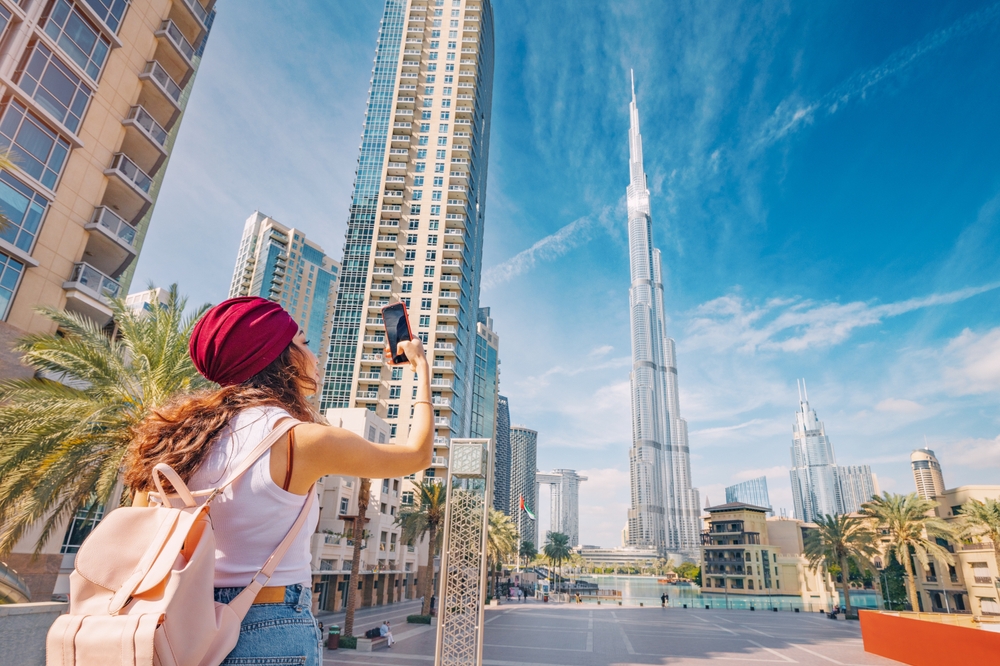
point(725, 429)
point(793, 325)
point(792, 114)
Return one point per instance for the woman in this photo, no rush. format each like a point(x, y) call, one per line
point(254, 350)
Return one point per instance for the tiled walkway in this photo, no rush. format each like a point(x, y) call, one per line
point(535, 634)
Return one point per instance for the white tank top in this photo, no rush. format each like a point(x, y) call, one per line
point(254, 514)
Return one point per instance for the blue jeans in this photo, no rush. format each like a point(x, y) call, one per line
point(282, 634)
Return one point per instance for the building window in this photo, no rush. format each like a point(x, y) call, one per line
point(425, 304)
point(436, 196)
point(425, 115)
point(407, 271)
point(24, 209)
point(10, 272)
point(425, 321)
point(395, 392)
point(407, 286)
point(5, 17)
point(344, 505)
point(55, 87)
point(428, 287)
point(422, 154)
point(397, 374)
point(413, 225)
point(84, 522)
point(428, 271)
point(78, 37)
point(420, 167)
point(417, 194)
point(439, 168)
point(414, 209)
point(411, 239)
point(431, 255)
point(411, 255)
point(392, 412)
point(36, 148)
point(432, 239)
point(110, 11)
point(443, 128)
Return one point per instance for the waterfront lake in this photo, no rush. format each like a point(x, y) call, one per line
point(646, 590)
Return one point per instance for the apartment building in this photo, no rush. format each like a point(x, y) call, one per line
point(486, 378)
point(502, 458)
point(389, 568)
point(523, 468)
point(92, 96)
point(745, 552)
point(280, 264)
point(92, 93)
point(415, 230)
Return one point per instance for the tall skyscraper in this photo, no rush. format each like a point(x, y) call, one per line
point(93, 95)
point(415, 229)
point(502, 459)
point(815, 490)
point(486, 378)
point(927, 473)
point(280, 264)
point(858, 484)
point(564, 501)
point(94, 92)
point(665, 512)
point(752, 492)
point(523, 467)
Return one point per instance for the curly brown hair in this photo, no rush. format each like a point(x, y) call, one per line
point(180, 432)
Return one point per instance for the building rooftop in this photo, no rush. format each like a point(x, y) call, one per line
point(736, 506)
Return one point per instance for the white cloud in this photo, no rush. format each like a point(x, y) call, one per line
point(899, 406)
point(794, 325)
point(604, 503)
point(549, 248)
point(973, 362)
point(977, 452)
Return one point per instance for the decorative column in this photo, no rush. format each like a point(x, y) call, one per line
point(462, 594)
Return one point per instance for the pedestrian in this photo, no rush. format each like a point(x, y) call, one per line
point(265, 371)
point(386, 630)
point(663, 600)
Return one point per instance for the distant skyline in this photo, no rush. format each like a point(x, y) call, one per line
point(824, 190)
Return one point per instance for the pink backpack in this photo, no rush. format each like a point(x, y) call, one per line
point(142, 591)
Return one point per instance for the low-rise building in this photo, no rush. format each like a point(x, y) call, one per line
point(971, 584)
point(745, 552)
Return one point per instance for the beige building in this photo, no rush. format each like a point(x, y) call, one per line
point(971, 584)
point(927, 473)
point(390, 569)
point(745, 552)
point(415, 229)
point(93, 92)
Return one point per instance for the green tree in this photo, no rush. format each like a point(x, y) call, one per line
point(908, 527)
point(66, 430)
point(528, 551)
point(690, 570)
point(892, 582)
point(425, 517)
point(557, 548)
point(501, 544)
point(839, 541)
point(981, 520)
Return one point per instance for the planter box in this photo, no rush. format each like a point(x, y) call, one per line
point(928, 642)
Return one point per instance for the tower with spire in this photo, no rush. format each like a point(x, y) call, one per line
point(664, 514)
point(815, 490)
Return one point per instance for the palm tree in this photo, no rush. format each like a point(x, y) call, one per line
point(840, 540)
point(501, 543)
point(357, 535)
point(908, 523)
point(981, 520)
point(65, 431)
point(557, 548)
point(426, 517)
point(528, 551)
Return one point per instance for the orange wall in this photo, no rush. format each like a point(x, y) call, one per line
point(922, 643)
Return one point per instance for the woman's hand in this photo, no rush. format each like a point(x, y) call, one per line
point(414, 351)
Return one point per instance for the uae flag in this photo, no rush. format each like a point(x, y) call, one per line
point(526, 509)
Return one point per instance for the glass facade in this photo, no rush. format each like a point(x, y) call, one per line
point(815, 490)
point(34, 146)
point(752, 492)
point(10, 272)
point(501, 460)
point(78, 37)
point(24, 209)
point(55, 87)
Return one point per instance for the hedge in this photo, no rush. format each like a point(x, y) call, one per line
point(418, 619)
point(349, 642)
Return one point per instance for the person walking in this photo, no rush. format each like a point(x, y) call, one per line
point(386, 630)
point(253, 349)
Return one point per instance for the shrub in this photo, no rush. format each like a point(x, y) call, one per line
point(349, 642)
point(418, 619)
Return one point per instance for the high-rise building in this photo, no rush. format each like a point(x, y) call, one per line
point(858, 484)
point(752, 492)
point(523, 467)
point(93, 93)
point(486, 378)
point(280, 264)
point(815, 491)
point(502, 459)
point(415, 229)
point(664, 513)
point(564, 501)
point(927, 473)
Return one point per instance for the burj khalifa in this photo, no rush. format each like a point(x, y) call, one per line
point(665, 514)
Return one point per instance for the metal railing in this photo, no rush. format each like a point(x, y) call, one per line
point(133, 174)
point(157, 73)
point(118, 227)
point(176, 37)
point(95, 281)
point(141, 117)
point(196, 8)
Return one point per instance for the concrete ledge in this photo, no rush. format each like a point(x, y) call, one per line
point(23, 628)
point(369, 644)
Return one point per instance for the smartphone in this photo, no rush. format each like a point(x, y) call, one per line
point(397, 328)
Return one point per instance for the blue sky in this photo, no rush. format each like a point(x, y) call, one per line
point(825, 182)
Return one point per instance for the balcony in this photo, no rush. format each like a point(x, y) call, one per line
point(439, 461)
point(111, 243)
point(370, 376)
point(145, 139)
point(442, 442)
point(401, 126)
point(448, 296)
point(174, 52)
point(386, 240)
point(374, 340)
point(985, 545)
point(441, 383)
point(382, 270)
point(128, 188)
point(438, 401)
point(377, 358)
point(442, 422)
point(444, 365)
point(444, 346)
point(366, 395)
point(89, 293)
point(191, 16)
point(160, 94)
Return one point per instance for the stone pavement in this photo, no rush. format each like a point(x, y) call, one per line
point(535, 634)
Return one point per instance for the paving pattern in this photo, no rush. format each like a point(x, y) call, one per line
point(534, 634)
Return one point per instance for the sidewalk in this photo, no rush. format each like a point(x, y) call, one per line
point(372, 616)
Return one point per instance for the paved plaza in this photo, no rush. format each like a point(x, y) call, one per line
point(535, 634)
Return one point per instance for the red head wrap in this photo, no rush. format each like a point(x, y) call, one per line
point(240, 337)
